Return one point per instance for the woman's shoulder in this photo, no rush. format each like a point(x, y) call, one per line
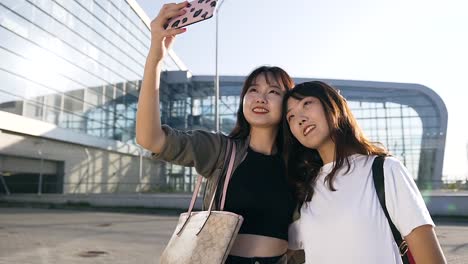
point(395, 170)
point(360, 159)
point(390, 165)
point(390, 161)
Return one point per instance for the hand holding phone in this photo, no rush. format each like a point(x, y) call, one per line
point(196, 11)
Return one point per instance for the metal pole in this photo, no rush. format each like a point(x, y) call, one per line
point(216, 69)
point(39, 189)
point(88, 163)
point(140, 171)
point(5, 186)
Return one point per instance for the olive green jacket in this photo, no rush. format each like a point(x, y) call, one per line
point(207, 152)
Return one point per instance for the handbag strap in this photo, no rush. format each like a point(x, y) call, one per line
point(379, 183)
point(228, 176)
point(226, 182)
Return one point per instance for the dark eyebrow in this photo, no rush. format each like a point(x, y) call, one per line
point(278, 88)
point(270, 85)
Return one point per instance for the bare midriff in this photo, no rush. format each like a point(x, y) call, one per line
point(248, 246)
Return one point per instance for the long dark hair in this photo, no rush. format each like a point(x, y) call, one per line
point(242, 128)
point(303, 164)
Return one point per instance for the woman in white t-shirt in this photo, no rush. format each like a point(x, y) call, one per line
point(329, 160)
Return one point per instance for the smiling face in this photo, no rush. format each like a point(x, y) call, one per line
point(262, 102)
point(308, 123)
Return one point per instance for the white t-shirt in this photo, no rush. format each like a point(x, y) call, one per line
point(349, 225)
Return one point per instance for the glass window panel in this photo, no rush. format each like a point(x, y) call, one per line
point(93, 98)
point(96, 30)
point(72, 121)
point(10, 103)
point(50, 43)
point(97, 16)
point(109, 91)
point(52, 115)
point(132, 88)
point(53, 100)
point(119, 90)
point(34, 110)
point(12, 85)
point(71, 104)
point(32, 58)
point(120, 18)
point(115, 25)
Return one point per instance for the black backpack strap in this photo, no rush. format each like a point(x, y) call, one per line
point(379, 183)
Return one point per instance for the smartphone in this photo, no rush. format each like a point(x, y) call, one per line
point(197, 10)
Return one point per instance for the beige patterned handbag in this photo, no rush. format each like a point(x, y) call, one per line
point(204, 237)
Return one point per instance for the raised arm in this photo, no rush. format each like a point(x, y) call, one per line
point(148, 120)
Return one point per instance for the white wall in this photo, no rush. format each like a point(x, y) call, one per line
point(91, 164)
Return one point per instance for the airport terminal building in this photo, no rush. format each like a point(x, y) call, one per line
point(70, 74)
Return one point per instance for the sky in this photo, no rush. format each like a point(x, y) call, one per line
point(417, 41)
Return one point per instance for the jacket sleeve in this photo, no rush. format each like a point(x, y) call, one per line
point(196, 148)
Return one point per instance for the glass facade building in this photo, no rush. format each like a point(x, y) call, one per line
point(73, 64)
point(409, 119)
point(77, 65)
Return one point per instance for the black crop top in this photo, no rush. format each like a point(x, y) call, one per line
point(258, 191)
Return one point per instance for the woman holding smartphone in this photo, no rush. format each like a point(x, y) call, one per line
point(330, 162)
point(258, 189)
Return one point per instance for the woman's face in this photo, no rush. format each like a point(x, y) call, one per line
point(308, 123)
point(262, 102)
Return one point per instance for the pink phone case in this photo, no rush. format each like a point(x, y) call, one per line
point(197, 11)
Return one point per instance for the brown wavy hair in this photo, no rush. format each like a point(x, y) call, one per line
point(303, 164)
point(242, 127)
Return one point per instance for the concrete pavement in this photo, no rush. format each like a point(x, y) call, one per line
point(49, 236)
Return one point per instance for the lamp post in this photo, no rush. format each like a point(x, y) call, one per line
point(216, 70)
